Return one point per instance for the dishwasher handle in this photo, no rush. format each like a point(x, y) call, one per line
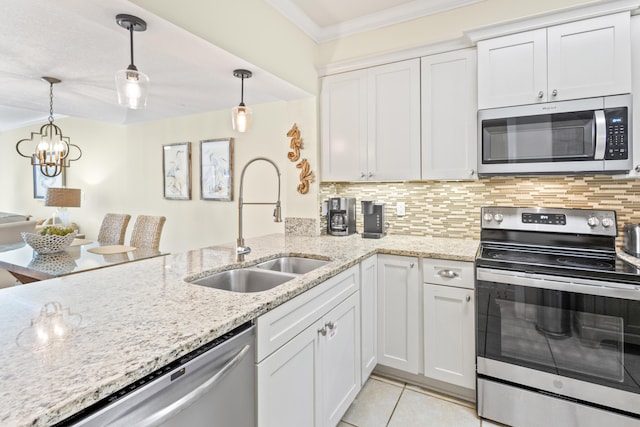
point(187, 400)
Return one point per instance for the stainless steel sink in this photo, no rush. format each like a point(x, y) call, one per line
point(292, 264)
point(244, 280)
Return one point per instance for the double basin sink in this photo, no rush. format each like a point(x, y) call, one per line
point(261, 277)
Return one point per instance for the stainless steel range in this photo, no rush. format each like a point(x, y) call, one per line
point(558, 320)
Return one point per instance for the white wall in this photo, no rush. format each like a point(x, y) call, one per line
point(435, 28)
point(121, 171)
point(250, 29)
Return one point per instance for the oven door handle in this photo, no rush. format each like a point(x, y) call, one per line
point(566, 284)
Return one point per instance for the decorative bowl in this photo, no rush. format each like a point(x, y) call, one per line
point(48, 243)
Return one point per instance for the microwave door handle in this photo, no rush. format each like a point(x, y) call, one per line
point(601, 134)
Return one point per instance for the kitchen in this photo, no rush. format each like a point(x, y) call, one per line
point(441, 209)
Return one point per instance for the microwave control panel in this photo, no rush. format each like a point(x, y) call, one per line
point(617, 146)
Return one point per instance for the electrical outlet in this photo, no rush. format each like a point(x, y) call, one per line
point(400, 209)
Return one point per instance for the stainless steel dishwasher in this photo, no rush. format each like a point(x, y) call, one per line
point(212, 386)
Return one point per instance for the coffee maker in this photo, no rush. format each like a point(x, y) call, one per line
point(374, 224)
point(341, 219)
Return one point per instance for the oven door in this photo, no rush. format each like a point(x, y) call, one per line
point(578, 338)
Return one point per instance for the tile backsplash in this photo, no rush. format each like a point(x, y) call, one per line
point(452, 208)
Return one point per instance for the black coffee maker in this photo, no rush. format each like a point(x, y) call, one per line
point(341, 219)
point(374, 224)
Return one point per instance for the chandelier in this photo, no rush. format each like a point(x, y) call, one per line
point(52, 150)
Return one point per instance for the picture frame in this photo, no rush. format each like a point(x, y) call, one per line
point(216, 169)
point(176, 171)
point(41, 182)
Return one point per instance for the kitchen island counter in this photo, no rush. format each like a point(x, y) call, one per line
point(109, 327)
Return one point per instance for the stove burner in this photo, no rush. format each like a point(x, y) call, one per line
point(586, 263)
point(512, 256)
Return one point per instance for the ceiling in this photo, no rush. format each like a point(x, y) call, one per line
point(79, 42)
point(332, 19)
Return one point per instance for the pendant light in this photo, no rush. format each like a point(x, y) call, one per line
point(131, 84)
point(241, 115)
point(52, 149)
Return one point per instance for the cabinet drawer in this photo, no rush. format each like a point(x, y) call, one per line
point(281, 324)
point(449, 273)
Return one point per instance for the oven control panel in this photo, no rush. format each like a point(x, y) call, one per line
point(579, 221)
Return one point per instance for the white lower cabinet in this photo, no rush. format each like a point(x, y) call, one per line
point(369, 315)
point(449, 322)
point(399, 313)
point(313, 377)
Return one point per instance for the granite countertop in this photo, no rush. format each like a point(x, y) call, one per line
point(123, 322)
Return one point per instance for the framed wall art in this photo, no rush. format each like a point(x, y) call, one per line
point(41, 182)
point(216, 169)
point(176, 171)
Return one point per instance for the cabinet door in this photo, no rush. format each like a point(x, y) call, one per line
point(344, 127)
point(340, 360)
point(512, 70)
point(368, 315)
point(287, 383)
point(589, 58)
point(449, 347)
point(398, 313)
point(394, 121)
point(449, 112)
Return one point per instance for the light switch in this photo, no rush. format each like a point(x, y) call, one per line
point(400, 209)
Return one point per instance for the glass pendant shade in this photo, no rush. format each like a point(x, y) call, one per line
point(241, 118)
point(132, 87)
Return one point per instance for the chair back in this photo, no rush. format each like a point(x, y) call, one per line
point(147, 231)
point(113, 229)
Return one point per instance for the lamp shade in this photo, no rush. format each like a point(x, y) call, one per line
point(63, 197)
point(132, 87)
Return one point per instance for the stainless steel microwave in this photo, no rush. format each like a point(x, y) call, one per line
point(590, 135)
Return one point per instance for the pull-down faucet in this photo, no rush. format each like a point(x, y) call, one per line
point(241, 249)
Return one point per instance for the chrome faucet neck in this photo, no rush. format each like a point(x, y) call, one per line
point(241, 249)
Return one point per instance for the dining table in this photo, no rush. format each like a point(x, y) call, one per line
point(26, 265)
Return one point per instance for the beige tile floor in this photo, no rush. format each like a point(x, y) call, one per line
point(387, 403)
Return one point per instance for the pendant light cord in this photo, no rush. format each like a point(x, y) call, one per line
point(242, 91)
point(51, 103)
point(131, 44)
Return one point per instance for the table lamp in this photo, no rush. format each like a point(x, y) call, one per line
point(62, 198)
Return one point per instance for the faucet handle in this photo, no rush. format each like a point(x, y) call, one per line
point(243, 250)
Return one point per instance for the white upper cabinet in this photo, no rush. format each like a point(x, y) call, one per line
point(344, 126)
point(394, 122)
point(580, 59)
point(371, 124)
point(449, 104)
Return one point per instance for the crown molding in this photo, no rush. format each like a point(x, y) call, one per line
point(395, 15)
point(547, 19)
point(395, 56)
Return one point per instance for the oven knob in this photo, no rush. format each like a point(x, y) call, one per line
point(498, 217)
point(607, 222)
point(593, 221)
point(488, 217)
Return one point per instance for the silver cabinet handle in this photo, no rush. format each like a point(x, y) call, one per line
point(363, 175)
point(447, 274)
point(164, 414)
point(330, 325)
point(323, 331)
point(472, 172)
point(370, 175)
point(554, 93)
point(540, 94)
point(637, 168)
point(412, 265)
point(468, 298)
